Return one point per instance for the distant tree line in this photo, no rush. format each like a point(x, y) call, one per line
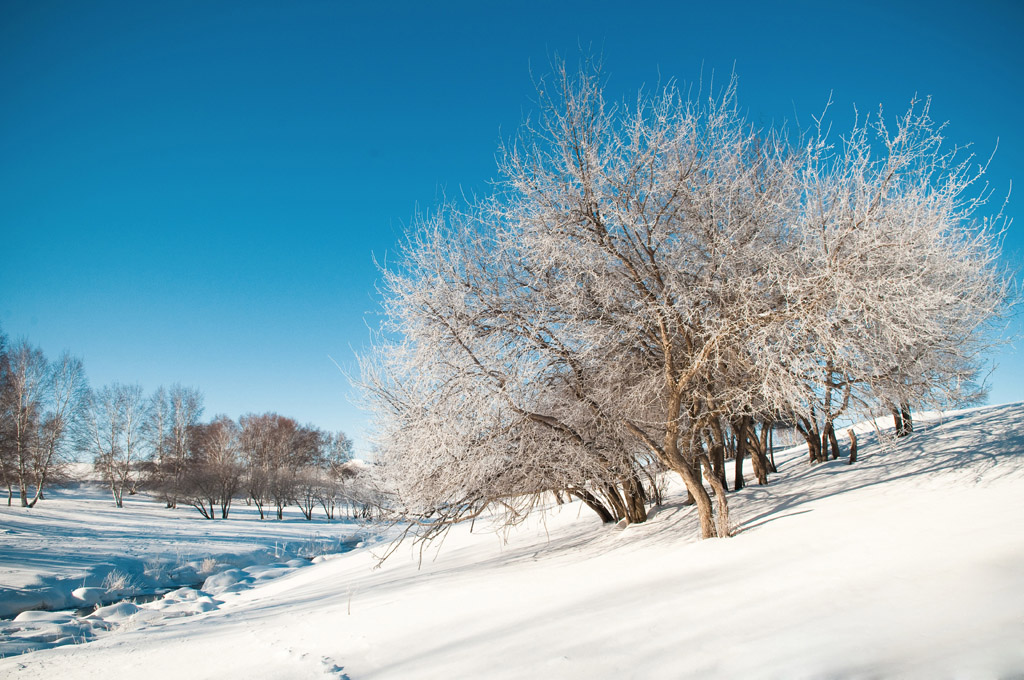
point(159, 443)
point(657, 286)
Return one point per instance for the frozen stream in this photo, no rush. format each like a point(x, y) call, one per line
point(126, 608)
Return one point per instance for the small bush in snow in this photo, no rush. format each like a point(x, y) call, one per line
point(118, 581)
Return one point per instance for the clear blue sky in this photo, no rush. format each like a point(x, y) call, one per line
point(193, 191)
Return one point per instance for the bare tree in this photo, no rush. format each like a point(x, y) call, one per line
point(24, 392)
point(173, 414)
point(40, 402)
point(329, 474)
point(274, 449)
point(155, 431)
point(487, 388)
point(113, 432)
point(6, 420)
point(214, 472)
point(258, 442)
point(67, 393)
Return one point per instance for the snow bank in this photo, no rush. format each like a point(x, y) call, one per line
point(36, 630)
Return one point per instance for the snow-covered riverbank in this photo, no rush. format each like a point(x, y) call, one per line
point(75, 553)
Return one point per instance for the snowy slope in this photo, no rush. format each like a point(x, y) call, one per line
point(909, 563)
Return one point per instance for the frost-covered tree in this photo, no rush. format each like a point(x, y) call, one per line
point(899, 272)
point(605, 296)
point(649, 284)
point(340, 485)
point(472, 383)
point(155, 430)
point(654, 230)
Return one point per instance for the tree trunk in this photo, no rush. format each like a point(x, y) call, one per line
point(614, 501)
point(259, 506)
point(758, 457)
point(723, 529)
point(853, 446)
point(705, 512)
point(718, 455)
point(655, 492)
point(897, 419)
point(827, 413)
point(40, 482)
point(741, 429)
point(766, 464)
point(696, 490)
point(908, 423)
point(809, 430)
point(832, 440)
point(673, 458)
point(686, 467)
point(633, 490)
point(717, 446)
point(594, 504)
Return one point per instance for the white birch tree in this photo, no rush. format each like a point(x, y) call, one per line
point(113, 432)
point(67, 393)
point(24, 390)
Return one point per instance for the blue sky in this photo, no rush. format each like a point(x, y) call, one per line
point(194, 191)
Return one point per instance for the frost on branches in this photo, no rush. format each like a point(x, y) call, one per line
point(654, 288)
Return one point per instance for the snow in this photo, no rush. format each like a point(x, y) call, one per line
point(77, 551)
point(57, 554)
point(909, 563)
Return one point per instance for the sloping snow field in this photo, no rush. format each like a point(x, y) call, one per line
point(909, 563)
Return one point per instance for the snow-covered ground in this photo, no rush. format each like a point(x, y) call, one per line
point(77, 551)
point(909, 563)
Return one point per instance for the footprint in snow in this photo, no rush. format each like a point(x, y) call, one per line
point(334, 670)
